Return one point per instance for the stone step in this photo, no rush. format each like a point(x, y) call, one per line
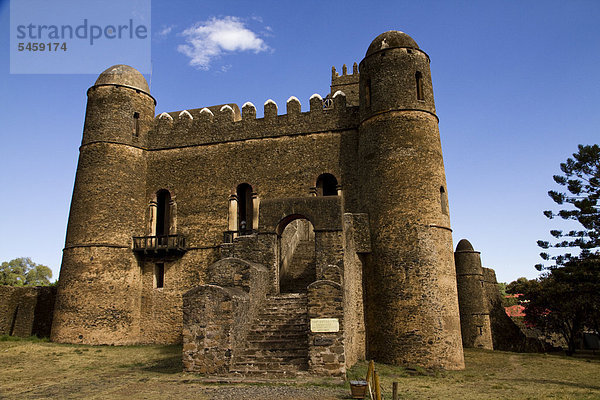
point(294, 311)
point(270, 366)
point(274, 330)
point(291, 360)
point(293, 314)
point(285, 303)
point(283, 316)
point(277, 333)
point(269, 374)
point(296, 352)
point(279, 322)
point(276, 344)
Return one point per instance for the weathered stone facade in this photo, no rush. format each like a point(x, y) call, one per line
point(26, 311)
point(177, 229)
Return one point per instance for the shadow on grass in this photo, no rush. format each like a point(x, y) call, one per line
point(167, 365)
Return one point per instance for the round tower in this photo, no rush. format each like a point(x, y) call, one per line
point(411, 301)
point(474, 314)
point(98, 300)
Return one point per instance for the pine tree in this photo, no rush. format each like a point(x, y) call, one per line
point(581, 178)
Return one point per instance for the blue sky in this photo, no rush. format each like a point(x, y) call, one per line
point(516, 86)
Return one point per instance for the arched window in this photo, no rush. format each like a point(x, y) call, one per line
point(163, 213)
point(443, 201)
point(244, 208)
point(326, 185)
point(419, 81)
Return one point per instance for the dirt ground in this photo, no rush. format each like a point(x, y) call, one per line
point(40, 370)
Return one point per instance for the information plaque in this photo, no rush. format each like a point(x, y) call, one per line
point(324, 325)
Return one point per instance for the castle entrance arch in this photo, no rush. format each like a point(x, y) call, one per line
point(297, 257)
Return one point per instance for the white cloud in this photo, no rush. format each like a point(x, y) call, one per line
point(211, 39)
point(165, 31)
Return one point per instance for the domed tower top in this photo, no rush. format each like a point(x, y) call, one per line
point(123, 75)
point(464, 245)
point(120, 107)
point(391, 39)
point(395, 74)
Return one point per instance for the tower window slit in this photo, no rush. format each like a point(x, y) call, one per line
point(419, 81)
point(159, 275)
point(136, 124)
point(443, 201)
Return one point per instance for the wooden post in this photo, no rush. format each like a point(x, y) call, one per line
point(395, 391)
point(377, 387)
point(370, 371)
point(369, 379)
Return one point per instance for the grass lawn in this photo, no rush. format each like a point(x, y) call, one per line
point(32, 369)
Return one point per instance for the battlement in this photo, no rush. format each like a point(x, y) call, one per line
point(336, 76)
point(346, 83)
point(225, 123)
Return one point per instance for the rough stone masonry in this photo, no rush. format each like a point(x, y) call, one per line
point(235, 234)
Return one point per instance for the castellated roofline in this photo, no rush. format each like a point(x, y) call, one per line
point(227, 122)
point(335, 74)
point(185, 114)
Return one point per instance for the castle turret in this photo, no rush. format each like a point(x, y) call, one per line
point(98, 299)
point(412, 314)
point(474, 313)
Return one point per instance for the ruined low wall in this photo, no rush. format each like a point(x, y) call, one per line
point(216, 317)
point(210, 317)
point(26, 311)
point(506, 335)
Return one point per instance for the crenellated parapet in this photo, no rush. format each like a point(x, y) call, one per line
point(225, 123)
point(347, 83)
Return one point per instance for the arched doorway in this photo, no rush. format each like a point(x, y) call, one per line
point(297, 261)
point(163, 216)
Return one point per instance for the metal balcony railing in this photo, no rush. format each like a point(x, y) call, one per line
point(159, 244)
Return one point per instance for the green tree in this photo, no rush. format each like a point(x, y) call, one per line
point(565, 300)
point(504, 295)
point(581, 178)
point(24, 272)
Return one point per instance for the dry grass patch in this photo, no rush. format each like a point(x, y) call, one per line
point(495, 375)
point(36, 369)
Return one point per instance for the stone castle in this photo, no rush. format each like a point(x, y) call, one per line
point(298, 241)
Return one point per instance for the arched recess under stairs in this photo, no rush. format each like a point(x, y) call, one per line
point(297, 258)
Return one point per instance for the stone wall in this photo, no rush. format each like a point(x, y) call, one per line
point(217, 316)
point(211, 315)
point(506, 334)
point(223, 126)
point(26, 311)
point(326, 354)
point(357, 241)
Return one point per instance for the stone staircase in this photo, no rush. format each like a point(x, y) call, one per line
point(301, 271)
point(277, 342)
